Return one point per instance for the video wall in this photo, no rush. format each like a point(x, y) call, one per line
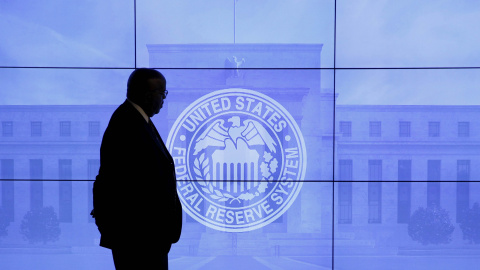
point(311, 134)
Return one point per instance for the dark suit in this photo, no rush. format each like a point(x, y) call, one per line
point(134, 196)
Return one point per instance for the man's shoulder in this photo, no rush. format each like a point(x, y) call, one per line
point(122, 120)
point(123, 109)
point(124, 112)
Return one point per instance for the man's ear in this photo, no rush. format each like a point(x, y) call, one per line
point(147, 98)
point(147, 102)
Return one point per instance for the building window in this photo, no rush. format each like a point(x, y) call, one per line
point(7, 128)
point(463, 188)
point(375, 128)
point(36, 186)
point(463, 129)
point(93, 165)
point(404, 129)
point(94, 128)
point(404, 191)
point(346, 128)
point(6, 169)
point(6, 173)
point(36, 129)
point(374, 191)
point(404, 170)
point(375, 170)
point(434, 129)
point(374, 202)
point(463, 170)
point(65, 129)
point(433, 194)
point(433, 170)
point(346, 169)
point(65, 190)
point(345, 202)
point(433, 188)
point(345, 192)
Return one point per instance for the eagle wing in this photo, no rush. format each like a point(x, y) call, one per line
point(229, 67)
point(256, 134)
point(229, 63)
point(214, 135)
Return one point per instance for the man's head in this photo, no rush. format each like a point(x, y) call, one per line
point(147, 88)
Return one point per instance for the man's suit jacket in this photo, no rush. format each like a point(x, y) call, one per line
point(134, 195)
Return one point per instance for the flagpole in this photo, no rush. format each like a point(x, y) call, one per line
point(234, 19)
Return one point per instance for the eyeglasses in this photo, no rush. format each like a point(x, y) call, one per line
point(165, 93)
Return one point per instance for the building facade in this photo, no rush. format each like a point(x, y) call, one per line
point(368, 167)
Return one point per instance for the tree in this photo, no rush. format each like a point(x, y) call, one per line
point(40, 225)
point(4, 222)
point(470, 224)
point(430, 225)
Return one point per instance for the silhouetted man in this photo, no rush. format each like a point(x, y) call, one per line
point(136, 206)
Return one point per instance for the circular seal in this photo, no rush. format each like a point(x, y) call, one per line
point(240, 159)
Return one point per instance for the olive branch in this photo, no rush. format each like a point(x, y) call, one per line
point(202, 172)
point(201, 167)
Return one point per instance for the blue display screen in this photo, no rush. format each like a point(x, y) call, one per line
point(313, 134)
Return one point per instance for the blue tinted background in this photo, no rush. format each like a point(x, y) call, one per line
point(385, 94)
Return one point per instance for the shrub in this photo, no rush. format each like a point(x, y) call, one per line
point(4, 222)
point(40, 225)
point(430, 225)
point(470, 224)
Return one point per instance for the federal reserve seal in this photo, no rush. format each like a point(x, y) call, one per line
point(239, 159)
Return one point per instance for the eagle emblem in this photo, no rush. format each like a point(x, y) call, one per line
point(240, 159)
point(235, 153)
